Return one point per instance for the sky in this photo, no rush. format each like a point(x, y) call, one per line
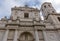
point(6, 5)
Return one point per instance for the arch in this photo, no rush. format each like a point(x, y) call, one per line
point(26, 36)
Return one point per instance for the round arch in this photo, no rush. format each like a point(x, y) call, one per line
point(26, 36)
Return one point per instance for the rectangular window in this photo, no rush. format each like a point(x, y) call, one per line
point(58, 18)
point(26, 15)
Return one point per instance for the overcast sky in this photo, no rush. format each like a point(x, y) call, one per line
point(6, 5)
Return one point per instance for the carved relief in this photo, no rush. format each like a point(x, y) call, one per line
point(51, 36)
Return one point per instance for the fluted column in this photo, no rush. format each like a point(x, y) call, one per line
point(45, 37)
point(15, 35)
point(5, 35)
point(36, 36)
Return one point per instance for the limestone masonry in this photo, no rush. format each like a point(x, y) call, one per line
point(25, 24)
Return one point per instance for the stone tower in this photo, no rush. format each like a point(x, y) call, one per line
point(47, 8)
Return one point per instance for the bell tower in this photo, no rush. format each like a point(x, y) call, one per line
point(46, 9)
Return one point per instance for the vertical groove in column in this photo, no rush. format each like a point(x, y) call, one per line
point(15, 35)
point(5, 35)
point(36, 36)
point(45, 37)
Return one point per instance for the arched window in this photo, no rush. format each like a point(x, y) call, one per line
point(49, 5)
point(58, 18)
point(45, 6)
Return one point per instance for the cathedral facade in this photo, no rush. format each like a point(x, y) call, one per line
point(25, 24)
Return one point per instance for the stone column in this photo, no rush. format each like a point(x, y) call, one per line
point(36, 36)
point(5, 35)
point(15, 35)
point(45, 37)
